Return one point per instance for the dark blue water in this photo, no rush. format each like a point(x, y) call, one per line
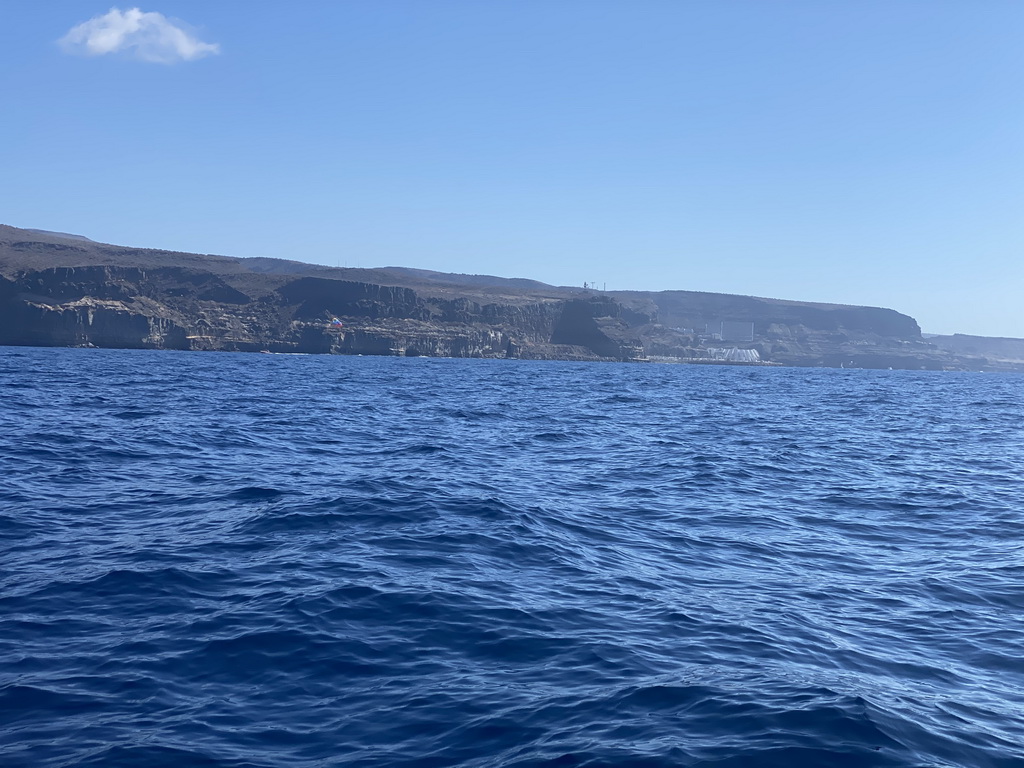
point(251, 560)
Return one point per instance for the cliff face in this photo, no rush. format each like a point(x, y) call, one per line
point(181, 308)
point(57, 290)
point(787, 332)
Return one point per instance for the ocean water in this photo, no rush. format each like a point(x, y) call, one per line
point(281, 561)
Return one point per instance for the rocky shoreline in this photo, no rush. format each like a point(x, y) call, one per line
point(60, 290)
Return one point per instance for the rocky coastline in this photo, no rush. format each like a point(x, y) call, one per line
point(65, 290)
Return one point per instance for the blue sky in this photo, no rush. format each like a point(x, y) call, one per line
point(857, 152)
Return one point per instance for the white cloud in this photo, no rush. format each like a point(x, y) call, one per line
point(144, 36)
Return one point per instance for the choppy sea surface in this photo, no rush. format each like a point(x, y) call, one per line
point(266, 561)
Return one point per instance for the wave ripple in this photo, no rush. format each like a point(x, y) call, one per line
point(259, 561)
